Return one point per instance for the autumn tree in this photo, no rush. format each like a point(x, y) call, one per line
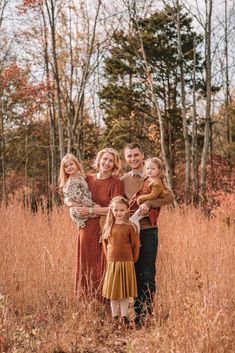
point(68, 47)
point(126, 80)
point(21, 102)
point(5, 49)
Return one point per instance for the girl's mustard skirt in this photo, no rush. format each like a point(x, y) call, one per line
point(120, 280)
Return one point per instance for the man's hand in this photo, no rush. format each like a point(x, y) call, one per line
point(144, 210)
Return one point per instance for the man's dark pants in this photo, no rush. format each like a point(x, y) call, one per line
point(145, 269)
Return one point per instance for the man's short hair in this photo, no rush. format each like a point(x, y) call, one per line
point(133, 145)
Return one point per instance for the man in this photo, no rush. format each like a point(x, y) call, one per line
point(146, 265)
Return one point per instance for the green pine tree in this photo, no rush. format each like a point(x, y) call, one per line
point(128, 109)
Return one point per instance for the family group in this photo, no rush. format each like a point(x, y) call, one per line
point(117, 227)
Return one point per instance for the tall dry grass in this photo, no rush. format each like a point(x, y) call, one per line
point(194, 306)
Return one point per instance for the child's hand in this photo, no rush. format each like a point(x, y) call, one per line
point(67, 202)
point(144, 210)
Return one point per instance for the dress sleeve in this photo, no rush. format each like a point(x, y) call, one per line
point(117, 188)
point(160, 201)
point(135, 243)
point(79, 193)
point(70, 189)
point(105, 244)
point(156, 190)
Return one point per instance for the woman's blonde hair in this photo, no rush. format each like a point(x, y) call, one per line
point(110, 220)
point(161, 174)
point(117, 160)
point(63, 177)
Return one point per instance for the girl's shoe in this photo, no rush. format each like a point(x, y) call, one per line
point(115, 322)
point(125, 321)
point(138, 322)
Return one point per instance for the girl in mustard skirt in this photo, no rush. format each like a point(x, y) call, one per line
point(121, 247)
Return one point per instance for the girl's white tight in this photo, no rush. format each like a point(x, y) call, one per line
point(135, 218)
point(123, 303)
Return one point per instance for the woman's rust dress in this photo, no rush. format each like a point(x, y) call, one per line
point(90, 258)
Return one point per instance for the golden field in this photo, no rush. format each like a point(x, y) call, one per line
point(194, 305)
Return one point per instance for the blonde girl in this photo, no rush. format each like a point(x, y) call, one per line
point(75, 188)
point(155, 186)
point(121, 247)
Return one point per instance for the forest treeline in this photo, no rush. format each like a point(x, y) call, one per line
point(77, 76)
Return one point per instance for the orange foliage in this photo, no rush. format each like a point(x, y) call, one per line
point(28, 4)
point(15, 86)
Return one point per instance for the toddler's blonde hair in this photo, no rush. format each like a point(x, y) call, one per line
point(161, 174)
point(63, 177)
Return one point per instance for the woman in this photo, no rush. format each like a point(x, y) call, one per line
point(103, 187)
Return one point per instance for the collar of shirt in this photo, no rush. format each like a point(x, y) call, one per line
point(140, 174)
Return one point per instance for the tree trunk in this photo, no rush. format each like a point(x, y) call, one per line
point(26, 166)
point(3, 154)
point(51, 16)
point(208, 100)
point(158, 111)
point(53, 172)
point(226, 105)
point(169, 132)
point(194, 135)
point(3, 4)
point(183, 110)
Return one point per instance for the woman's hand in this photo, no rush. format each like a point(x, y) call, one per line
point(144, 210)
point(83, 210)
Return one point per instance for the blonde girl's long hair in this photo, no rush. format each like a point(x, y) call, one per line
point(117, 160)
point(110, 219)
point(161, 174)
point(63, 177)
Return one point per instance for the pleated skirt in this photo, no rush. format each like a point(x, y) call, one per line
point(120, 280)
